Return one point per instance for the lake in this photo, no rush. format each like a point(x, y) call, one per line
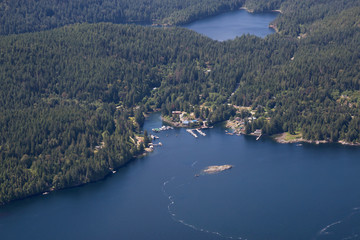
point(232, 24)
point(274, 191)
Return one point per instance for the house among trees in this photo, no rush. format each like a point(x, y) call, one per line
point(186, 122)
point(258, 132)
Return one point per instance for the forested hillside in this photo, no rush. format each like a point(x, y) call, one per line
point(72, 98)
point(68, 98)
point(299, 15)
point(316, 91)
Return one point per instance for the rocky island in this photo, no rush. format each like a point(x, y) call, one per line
point(216, 169)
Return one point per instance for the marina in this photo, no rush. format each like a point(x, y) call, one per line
point(191, 131)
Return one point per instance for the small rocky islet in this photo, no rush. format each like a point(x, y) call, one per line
point(216, 169)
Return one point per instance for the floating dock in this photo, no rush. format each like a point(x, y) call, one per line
point(154, 144)
point(201, 132)
point(153, 137)
point(258, 137)
point(191, 132)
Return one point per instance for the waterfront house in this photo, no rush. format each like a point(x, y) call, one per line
point(258, 132)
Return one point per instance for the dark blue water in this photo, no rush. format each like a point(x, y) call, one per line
point(274, 191)
point(230, 25)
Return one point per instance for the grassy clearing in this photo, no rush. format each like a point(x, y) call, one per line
point(290, 137)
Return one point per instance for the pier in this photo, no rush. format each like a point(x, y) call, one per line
point(155, 144)
point(258, 133)
point(191, 132)
point(258, 137)
point(201, 132)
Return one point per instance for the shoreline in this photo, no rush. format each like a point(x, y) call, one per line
point(50, 190)
point(173, 124)
point(253, 11)
point(280, 138)
point(179, 125)
point(274, 27)
point(246, 9)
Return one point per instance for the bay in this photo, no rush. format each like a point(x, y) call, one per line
point(274, 191)
point(230, 25)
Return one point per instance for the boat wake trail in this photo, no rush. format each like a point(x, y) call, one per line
point(193, 164)
point(173, 215)
point(344, 229)
point(325, 229)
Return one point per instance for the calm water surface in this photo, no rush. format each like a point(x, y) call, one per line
point(230, 25)
point(274, 191)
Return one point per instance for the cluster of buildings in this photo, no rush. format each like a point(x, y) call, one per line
point(184, 119)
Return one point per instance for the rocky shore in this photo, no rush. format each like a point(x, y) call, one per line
point(281, 138)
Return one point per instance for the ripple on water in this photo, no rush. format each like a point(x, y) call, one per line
point(171, 211)
point(347, 228)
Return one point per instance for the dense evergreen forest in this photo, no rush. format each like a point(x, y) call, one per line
point(73, 98)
